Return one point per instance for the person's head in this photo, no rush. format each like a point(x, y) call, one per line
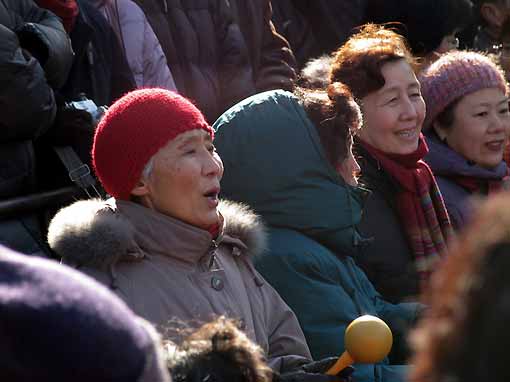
point(218, 351)
point(315, 73)
point(337, 118)
point(464, 336)
point(59, 325)
point(413, 20)
point(467, 105)
point(154, 147)
point(377, 67)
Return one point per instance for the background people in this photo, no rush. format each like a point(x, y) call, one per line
point(35, 59)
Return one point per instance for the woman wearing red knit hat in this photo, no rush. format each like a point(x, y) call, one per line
point(164, 241)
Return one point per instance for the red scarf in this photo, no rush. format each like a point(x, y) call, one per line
point(67, 10)
point(214, 230)
point(420, 206)
point(480, 186)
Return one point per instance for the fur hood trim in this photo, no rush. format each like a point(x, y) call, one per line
point(93, 233)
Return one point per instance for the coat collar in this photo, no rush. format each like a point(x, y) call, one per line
point(97, 233)
point(156, 233)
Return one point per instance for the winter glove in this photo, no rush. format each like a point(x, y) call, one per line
point(75, 128)
point(30, 39)
point(315, 372)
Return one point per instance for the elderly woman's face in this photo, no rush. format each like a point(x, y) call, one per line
point(393, 115)
point(185, 180)
point(480, 127)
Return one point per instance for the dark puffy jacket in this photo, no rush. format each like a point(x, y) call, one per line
point(272, 60)
point(100, 69)
point(205, 50)
point(26, 96)
point(388, 259)
point(27, 101)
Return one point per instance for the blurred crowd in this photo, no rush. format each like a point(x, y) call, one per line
point(213, 190)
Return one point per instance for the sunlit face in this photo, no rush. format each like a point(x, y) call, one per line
point(393, 115)
point(349, 168)
point(480, 128)
point(185, 180)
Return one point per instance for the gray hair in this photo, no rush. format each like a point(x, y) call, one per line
point(147, 170)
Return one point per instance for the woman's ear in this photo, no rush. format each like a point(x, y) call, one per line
point(141, 188)
point(492, 15)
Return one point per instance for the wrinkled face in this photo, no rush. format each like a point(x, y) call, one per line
point(349, 168)
point(185, 180)
point(393, 115)
point(480, 128)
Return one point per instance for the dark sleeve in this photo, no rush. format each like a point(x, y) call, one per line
point(401, 318)
point(234, 68)
point(277, 64)
point(49, 30)
point(26, 100)
point(123, 80)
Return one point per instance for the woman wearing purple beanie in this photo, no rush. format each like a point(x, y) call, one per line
point(467, 124)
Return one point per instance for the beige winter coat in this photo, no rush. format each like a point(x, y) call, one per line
point(167, 270)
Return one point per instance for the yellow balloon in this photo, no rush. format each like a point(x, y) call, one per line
point(368, 339)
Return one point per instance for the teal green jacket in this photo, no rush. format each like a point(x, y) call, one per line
point(274, 162)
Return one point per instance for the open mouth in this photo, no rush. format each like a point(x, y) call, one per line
point(212, 196)
point(496, 145)
point(407, 134)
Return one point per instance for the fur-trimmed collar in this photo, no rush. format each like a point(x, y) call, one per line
point(94, 233)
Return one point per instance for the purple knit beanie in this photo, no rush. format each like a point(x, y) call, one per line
point(454, 75)
point(58, 325)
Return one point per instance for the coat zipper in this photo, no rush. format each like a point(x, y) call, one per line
point(212, 252)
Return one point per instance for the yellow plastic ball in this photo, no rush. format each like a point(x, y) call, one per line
point(368, 339)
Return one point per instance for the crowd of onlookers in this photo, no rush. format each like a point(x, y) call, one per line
point(245, 178)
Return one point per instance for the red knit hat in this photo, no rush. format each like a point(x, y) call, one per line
point(133, 129)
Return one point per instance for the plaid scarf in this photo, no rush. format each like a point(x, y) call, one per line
point(420, 206)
